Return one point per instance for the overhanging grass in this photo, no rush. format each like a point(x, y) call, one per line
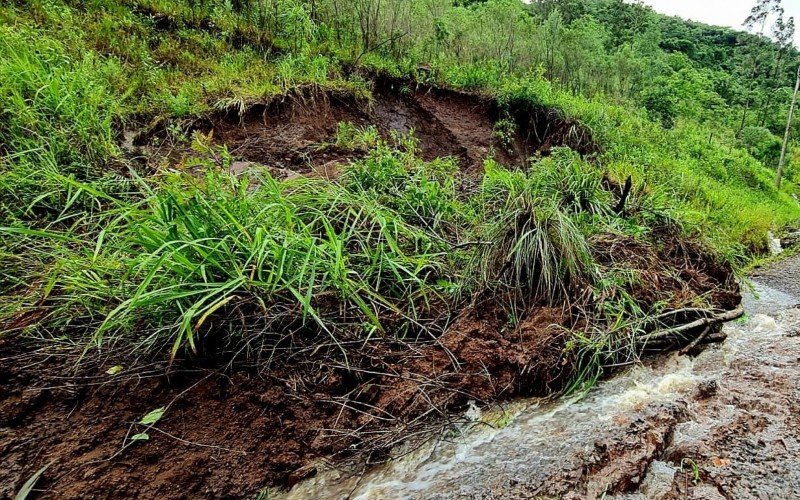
point(161, 261)
point(305, 255)
point(181, 255)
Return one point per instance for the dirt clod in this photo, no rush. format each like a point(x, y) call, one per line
point(706, 389)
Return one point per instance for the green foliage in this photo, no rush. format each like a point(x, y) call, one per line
point(195, 247)
point(504, 132)
point(762, 144)
point(56, 110)
point(348, 136)
point(174, 263)
point(662, 105)
point(573, 184)
point(30, 484)
point(164, 262)
point(423, 193)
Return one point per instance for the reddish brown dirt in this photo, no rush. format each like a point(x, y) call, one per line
point(296, 135)
point(230, 433)
point(672, 271)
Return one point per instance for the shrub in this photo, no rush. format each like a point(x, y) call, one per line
point(762, 144)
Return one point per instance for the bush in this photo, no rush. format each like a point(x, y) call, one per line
point(763, 145)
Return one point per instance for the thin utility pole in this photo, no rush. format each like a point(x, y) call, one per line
point(786, 135)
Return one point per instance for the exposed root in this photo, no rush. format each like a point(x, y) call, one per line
point(678, 333)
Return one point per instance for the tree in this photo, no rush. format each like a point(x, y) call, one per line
point(783, 34)
point(625, 20)
point(788, 130)
point(570, 10)
point(759, 15)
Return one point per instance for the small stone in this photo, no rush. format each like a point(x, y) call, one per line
point(302, 473)
point(706, 389)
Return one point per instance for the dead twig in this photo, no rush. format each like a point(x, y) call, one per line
point(696, 341)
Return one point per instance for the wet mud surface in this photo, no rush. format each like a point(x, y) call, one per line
point(783, 277)
point(724, 424)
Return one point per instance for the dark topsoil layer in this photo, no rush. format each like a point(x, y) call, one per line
point(297, 134)
point(229, 432)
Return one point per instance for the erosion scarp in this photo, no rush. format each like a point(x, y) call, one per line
point(296, 134)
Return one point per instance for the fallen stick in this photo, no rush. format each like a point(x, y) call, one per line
point(712, 319)
point(626, 191)
point(696, 341)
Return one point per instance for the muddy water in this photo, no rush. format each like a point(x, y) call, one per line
point(725, 424)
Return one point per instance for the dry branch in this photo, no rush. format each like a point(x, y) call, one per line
point(707, 321)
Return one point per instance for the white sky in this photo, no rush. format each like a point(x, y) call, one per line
point(721, 12)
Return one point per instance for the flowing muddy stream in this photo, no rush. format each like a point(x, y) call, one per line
point(724, 424)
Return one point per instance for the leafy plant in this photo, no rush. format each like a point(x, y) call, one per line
point(148, 421)
point(505, 132)
point(30, 484)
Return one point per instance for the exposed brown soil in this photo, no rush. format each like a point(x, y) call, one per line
point(229, 433)
point(297, 134)
point(232, 433)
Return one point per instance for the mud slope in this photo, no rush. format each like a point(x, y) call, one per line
point(297, 133)
point(230, 432)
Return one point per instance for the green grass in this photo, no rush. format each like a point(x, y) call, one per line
point(175, 261)
point(305, 255)
point(105, 254)
point(111, 62)
point(533, 244)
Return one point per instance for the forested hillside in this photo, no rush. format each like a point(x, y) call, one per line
point(331, 222)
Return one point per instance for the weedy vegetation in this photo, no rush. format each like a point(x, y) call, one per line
point(668, 187)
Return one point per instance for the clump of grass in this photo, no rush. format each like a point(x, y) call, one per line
point(532, 246)
point(423, 192)
point(573, 184)
point(303, 255)
point(56, 110)
point(349, 136)
point(381, 251)
point(537, 252)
